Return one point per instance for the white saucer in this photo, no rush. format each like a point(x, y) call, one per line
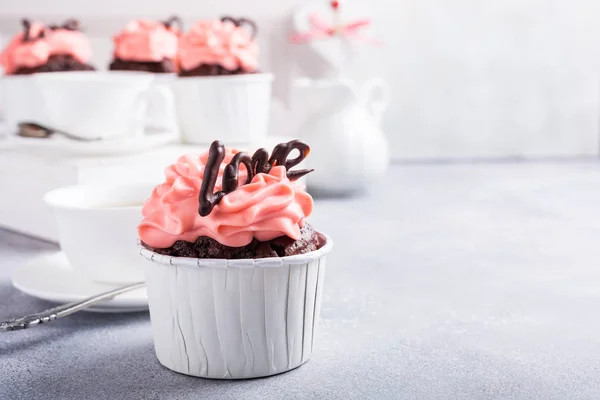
point(58, 143)
point(49, 277)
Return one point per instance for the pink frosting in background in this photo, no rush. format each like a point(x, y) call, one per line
point(268, 207)
point(74, 43)
point(145, 40)
point(28, 50)
point(217, 42)
point(36, 52)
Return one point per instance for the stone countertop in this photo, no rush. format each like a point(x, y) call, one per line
point(449, 282)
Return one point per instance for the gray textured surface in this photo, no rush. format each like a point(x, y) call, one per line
point(452, 282)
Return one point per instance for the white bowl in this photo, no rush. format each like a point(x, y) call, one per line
point(97, 229)
point(97, 105)
point(234, 319)
point(233, 108)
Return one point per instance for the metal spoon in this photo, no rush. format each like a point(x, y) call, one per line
point(33, 130)
point(64, 310)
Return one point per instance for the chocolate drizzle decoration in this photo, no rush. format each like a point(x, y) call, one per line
point(259, 163)
point(26, 26)
point(27, 32)
point(253, 28)
point(70, 25)
point(172, 20)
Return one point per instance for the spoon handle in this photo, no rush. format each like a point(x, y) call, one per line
point(64, 310)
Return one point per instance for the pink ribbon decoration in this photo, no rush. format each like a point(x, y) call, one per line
point(321, 30)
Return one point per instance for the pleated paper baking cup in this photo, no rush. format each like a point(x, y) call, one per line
point(234, 319)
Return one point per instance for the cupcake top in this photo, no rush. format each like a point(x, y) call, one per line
point(210, 195)
point(37, 43)
point(147, 41)
point(222, 42)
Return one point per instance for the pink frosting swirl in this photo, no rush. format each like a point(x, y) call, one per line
point(144, 40)
point(34, 53)
point(218, 42)
point(268, 207)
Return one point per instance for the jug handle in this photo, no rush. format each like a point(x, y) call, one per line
point(376, 102)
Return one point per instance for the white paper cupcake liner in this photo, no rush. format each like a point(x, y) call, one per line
point(234, 319)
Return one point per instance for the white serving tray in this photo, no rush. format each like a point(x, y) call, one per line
point(63, 145)
point(25, 177)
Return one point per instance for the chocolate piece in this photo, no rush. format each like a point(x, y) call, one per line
point(230, 175)
point(255, 165)
point(27, 32)
point(26, 27)
point(283, 150)
point(71, 25)
point(172, 19)
point(295, 175)
point(241, 22)
point(205, 247)
point(262, 163)
point(158, 67)
point(208, 200)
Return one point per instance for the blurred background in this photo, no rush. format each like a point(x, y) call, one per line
point(463, 268)
point(469, 79)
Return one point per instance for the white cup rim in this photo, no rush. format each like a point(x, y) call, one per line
point(120, 77)
point(59, 198)
point(253, 77)
point(15, 77)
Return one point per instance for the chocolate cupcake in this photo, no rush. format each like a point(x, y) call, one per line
point(234, 274)
point(148, 46)
point(53, 48)
point(221, 47)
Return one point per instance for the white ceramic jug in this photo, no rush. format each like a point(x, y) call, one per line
point(342, 126)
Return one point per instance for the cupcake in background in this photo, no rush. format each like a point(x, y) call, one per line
point(221, 92)
point(220, 47)
point(148, 46)
point(41, 48)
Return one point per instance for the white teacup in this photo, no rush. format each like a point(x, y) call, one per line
point(98, 105)
point(21, 101)
point(234, 108)
point(97, 229)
